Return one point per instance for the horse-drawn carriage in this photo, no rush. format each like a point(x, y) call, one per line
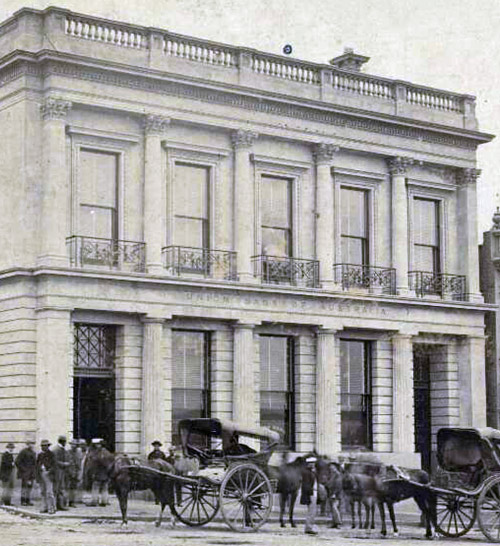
point(467, 489)
point(233, 477)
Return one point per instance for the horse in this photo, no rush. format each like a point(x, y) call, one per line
point(362, 490)
point(401, 488)
point(289, 482)
point(329, 475)
point(126, 476)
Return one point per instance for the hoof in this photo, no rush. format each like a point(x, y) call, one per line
point(124, 523)
point(282, 525)
point(157, 523)
point(293, 525)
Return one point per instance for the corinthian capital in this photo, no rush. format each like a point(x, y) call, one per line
point(243, 139)
point(323, 153)
point(155, 125)
point(466, 177)
point(399, 165)
point(55, 108)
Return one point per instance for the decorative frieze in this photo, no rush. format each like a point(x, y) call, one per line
point(55, 108)
point(323, 152)
point(155, 124)
point(399, 165)
point(243, 139)
point(466, 177)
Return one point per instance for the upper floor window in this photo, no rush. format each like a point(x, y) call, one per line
point(355, 381)
point(276, 214)
point(190, 376)
point(98, 194)
point(191, 207)
point(354, 226)
point(276, 386)
point(426, 235)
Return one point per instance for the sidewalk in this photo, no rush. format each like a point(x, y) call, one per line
point(407, 512)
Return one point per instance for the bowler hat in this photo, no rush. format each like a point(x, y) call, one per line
point(61, 438)
point(45, 443)
point(156, 443)
point(10, 445)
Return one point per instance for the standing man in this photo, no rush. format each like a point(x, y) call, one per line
point(46, 475)
point(309, 494)
point(157, 453)
point(26, 463)
point(7, 474)
point(62, 464)
point(100, 463)
point(74, 472)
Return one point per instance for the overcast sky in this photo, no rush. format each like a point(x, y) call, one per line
point(450, 44)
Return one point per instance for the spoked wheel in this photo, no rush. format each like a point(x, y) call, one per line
point(196, 501)
point(246, 498)
point(455, 514)
point(488, 508)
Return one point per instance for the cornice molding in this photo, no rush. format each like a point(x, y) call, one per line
point(46, 63)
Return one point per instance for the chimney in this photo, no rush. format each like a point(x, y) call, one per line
point(349, 60)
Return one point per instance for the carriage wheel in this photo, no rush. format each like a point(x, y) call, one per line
point(195, 504)
point(246, 498)
point(455, 514)
point(488, 507)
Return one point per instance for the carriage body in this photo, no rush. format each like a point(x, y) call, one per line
point(233, 476)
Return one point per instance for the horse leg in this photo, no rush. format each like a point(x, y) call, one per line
point(424, 506)
point(360, 514)
point(381, 509)
point(367, 506)
point(390, 506)
point(352, 504)
point(160, 515)
point(293, 498)
point(123, 501)
point(282, 509)
point(372, 526)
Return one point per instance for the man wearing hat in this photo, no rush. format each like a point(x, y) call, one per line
point(157, 453)
point(26, 463)
point(62, 464)
point(46, 475)
point(309, 494)
point(101, 459)
point(74, 472)
point(7, 474)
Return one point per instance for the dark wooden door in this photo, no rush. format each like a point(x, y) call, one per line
point(422, 397)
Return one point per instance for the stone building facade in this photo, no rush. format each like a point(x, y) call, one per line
point(196, 229)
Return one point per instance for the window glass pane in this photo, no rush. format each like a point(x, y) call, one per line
point(97, 222)
point(273, 363)
point(425, 222)
point(188, 353)
point(275, 242)
point(353, 212)
point(424, 258)
point(191, 191)
point(353, 251)
point(190, 232)
point(276, 202)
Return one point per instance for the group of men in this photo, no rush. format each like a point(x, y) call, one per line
point(59, 471)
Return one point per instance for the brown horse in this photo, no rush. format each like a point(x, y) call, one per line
point(126, 476)
point(289, 482)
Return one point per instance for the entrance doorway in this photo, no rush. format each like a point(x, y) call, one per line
point(94, 409)
point(422, 398)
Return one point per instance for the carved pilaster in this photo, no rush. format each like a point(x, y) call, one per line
point(243, 139)
point(466, 177)
point(399, 165)
point(323, 153)
point(155, 124)
point(55, 109)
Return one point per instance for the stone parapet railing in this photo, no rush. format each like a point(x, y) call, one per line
point(112, 41)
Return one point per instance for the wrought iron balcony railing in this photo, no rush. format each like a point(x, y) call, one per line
point(444, 285)
point(285, 270)
point(377, 279)
point(110, 253)
point(216, 264)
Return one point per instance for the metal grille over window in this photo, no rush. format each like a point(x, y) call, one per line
point(94, 349)
point(191, 377)
point(276, 386)
point(355, 372)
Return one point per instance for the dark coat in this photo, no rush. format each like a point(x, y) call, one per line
point(6, 466)
point(26, 463)
point(307, 491)
point(47, 460)
point(157, 454)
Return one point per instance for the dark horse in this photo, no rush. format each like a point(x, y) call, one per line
point(289, 482)
point(126, 476)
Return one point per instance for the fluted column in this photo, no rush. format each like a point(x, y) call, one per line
point(153, 382)
point(243, 374)
point(325, 224)
point(54, 210)
point(398, 167)
point(155, 128)
point(327, 393)
point(402, 395)
point(244, 204)
point(472, 380)
point(467, 231)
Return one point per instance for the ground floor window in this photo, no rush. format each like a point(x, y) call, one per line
point(94, 354)
point(190, 377)
point(356, 416)
point(277, 386)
